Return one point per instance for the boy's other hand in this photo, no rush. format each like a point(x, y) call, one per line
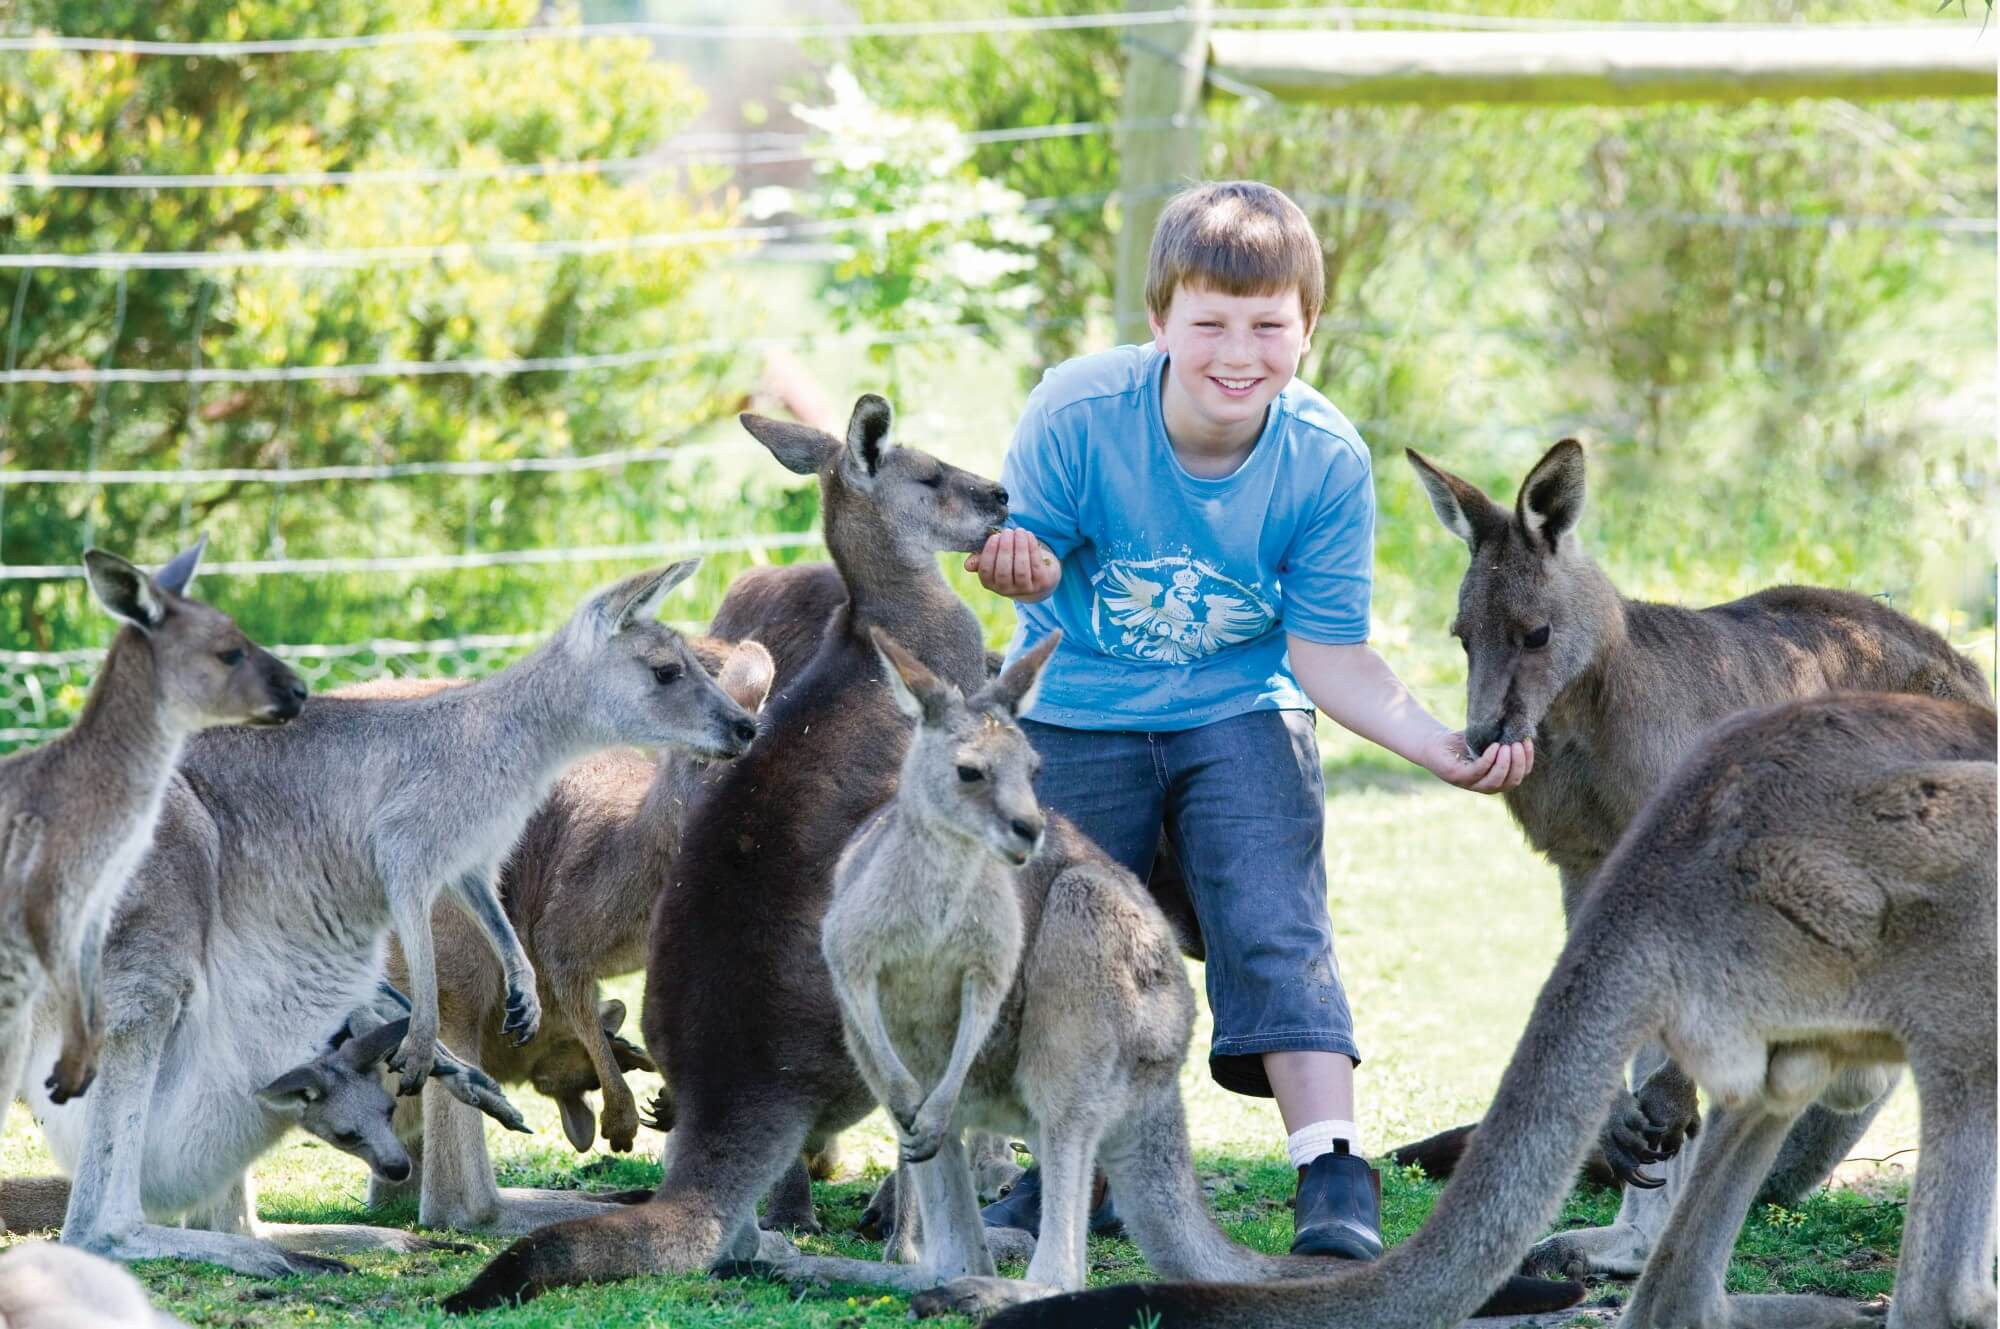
point(1501, 767)
point(1015, 565)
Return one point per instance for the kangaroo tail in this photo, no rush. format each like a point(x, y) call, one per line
point(1438, 1154)
point(1596, 1008)
point(656, 1237)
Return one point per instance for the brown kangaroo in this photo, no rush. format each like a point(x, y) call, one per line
point(1615, 692)
point(1808, 901)
point(740, 1011)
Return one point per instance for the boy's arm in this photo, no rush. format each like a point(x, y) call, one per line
point(1354, 686)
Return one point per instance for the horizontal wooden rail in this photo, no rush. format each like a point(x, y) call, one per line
point(1613, 67)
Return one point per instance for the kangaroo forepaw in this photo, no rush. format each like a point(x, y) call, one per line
point(620, 1123)
point(1632, 1139)
point(524, 1015)
point(69, 1082)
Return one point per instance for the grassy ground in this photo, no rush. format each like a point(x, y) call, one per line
point(1447, 925)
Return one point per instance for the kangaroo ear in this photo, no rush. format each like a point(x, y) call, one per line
point(611, 1015)
point(123, 589)
point(747, 673)
point(799, 448)
point(361, 1052)
point(294, 1091)
point(179, 571)
point(578, 1121)
point(868, 433)
point(638, 597)
point(1465, 511)
point(1551, 498)
point(1016, 687)
point(920, 694)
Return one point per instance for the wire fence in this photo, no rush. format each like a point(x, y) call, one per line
point(39, 690)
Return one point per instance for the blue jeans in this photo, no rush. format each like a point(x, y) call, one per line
point(1244, 810)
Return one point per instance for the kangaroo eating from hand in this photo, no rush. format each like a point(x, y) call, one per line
point(77, 813)
point(1615, 693)
point(1837, 858)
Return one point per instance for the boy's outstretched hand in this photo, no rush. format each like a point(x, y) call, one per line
point(1015, 565)
point(1501, 767)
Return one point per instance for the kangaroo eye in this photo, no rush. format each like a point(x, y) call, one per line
point(230, 658)
point(1537, 639)
point(667, 673)
point(971, 774)
point(347, 1137)
point(934, 481)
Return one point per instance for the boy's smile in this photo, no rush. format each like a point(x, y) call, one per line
point(1228, 358)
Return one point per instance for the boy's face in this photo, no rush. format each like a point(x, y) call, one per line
point(1228, 358)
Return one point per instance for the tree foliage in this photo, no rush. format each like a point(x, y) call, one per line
point(475, 105)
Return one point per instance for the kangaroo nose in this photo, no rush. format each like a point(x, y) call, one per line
point(297, 688)
point(745, 731)
point(395, 1171)
point(1000, 495)
point(1026, 828)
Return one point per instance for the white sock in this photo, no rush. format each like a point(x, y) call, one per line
point(1308, 1143)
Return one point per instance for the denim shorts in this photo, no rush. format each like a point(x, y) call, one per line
point(1244, 810)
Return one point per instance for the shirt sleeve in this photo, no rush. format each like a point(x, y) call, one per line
point(1040, 476)
point(1329, 571)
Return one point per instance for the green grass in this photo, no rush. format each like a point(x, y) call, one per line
point(1447, 925)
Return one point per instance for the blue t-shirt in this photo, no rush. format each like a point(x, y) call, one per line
point(1177, 592)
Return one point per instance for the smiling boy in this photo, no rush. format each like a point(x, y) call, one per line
point(1200, 525)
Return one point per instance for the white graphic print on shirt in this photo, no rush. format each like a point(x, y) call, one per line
point(1173, 610)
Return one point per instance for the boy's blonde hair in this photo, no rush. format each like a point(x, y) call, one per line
point(1237, 237)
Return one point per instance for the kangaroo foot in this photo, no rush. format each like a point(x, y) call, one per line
point(977, 1296)
point(1619, 1251)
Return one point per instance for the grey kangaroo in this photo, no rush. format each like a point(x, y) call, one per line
point(1837, 857)
point(77, 813)
point(740, 1011)
point(46, 1286)
point(978, 946)
point(1615, 692)
point(257, 921)
point(578, 887)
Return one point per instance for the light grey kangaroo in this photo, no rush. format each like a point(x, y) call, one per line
point(1615, 692)
point(77, 813)
point(257, 921)
point(998, 956)
point(337, 1096)
point(1809, 900)
point(46, 1286)
point(578, 887)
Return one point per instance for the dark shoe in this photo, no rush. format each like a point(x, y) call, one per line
point(1337, 1210)
point(1021, 1207)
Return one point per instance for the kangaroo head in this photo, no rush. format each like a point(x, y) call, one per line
point(969, 768)
point(209, 672)
point(564, 1073)
point(1533, 609)
point(897, 493)
point(641, 682)
point(339, 1097)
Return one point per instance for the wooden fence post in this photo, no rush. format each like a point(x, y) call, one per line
point(1161, 147)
